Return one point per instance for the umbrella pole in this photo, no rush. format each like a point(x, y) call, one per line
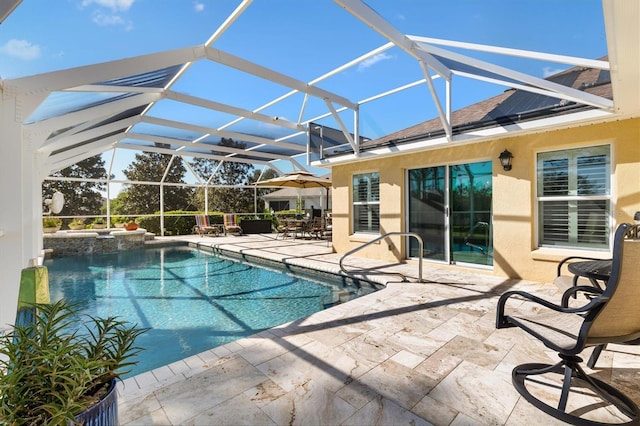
point(327, 200)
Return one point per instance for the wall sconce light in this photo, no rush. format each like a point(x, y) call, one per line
point(505, 159)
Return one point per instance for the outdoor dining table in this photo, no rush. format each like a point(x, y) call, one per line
point(298, 225)
point(597, 271)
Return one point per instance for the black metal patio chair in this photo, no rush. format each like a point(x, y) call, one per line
point(611, 315)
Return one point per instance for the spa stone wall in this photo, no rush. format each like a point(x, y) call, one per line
point(74, 243)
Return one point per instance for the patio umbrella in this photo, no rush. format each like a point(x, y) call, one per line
point(299, 179)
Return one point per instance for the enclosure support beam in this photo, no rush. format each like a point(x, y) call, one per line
point(21, 206)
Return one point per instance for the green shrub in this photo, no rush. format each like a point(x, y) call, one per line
point(177, 222)
point(286, 213)
point(51, 222)
point(151, 224)
point(118, 219)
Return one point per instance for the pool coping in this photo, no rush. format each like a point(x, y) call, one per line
point(302, 270)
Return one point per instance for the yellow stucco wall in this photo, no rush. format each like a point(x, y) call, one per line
point(515, 251)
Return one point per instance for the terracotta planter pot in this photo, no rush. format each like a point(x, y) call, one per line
point(131, 226)
point(52, 230)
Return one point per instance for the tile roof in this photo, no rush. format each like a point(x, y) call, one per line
point(513, 105)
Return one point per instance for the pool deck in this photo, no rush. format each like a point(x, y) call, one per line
point(412, 353)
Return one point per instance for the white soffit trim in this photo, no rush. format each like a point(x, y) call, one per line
point(480, 135)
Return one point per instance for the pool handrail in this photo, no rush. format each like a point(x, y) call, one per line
point(381, 237)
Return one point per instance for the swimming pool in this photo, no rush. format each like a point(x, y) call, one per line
point(191, 300)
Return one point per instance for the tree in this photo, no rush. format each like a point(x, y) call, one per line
point(82, 198)
point(145, 199)
point(235, 200)
point(268, 174)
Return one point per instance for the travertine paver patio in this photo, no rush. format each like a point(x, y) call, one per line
point(412, 353)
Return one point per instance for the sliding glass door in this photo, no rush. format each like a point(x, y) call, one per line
point(471, 227)
point(450, 208)
point(427, 206)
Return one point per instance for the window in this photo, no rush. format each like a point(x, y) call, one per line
point(366, 203)
point(278, 206)
point(574, 197)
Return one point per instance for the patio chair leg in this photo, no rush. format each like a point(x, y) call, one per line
point(595, 355)
point(570, 369)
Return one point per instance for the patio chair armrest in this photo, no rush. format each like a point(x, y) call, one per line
point(502, 319)
point(571, 292)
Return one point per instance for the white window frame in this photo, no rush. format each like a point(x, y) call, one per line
point(572, 196)
point(369, 202)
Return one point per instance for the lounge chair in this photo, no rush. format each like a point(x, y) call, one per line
point(203, 226)
point(327, 232)
point(317, 227)
point(230, 224)
point(293, 227)
point(281, 229)
point(610, 315)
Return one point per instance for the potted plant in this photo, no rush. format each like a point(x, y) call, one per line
point(61, 368)
point(51, 224)
point(76, 224)
point(131, 226)
point(119, 221)
point(99, 223)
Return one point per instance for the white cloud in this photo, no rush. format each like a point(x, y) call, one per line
point(547, 71)
point(21, 49)
point(105, 20)
point(198, 7)
point(373, 60)
point(110, 12)
point(115, 5)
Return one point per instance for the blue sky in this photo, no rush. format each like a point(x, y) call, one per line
point(301, 38)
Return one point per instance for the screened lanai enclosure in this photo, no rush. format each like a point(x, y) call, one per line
point(307, 113)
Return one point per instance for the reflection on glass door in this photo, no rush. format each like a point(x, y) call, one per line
point(427, 211)
point(465, 234)
point(470, 222)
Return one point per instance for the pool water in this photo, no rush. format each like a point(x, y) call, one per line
point(191, 300)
